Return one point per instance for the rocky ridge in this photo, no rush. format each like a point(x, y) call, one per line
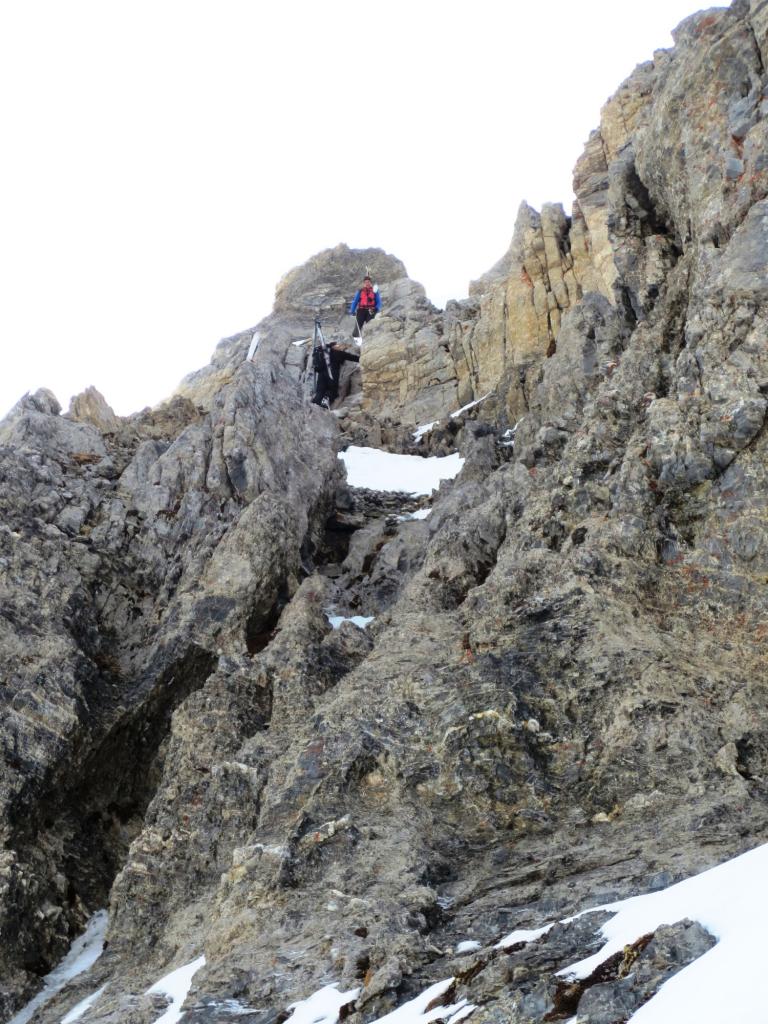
point(560, 700)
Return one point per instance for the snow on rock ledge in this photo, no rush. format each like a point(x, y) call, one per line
point(384, 471)
point(83, 954)
point(727, 982)
point(176, 986)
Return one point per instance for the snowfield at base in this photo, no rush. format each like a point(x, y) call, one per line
point(412, 474)
point(176, 986)
point(724, 986)
point(322, 1007)
point(82, 955)
point(415, 1012)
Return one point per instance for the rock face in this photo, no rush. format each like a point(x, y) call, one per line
point(91, 407)
point(561, 698)
point(131, 563)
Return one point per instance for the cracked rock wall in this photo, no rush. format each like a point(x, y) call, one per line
point(561, 699)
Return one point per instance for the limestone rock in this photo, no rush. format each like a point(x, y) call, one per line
point(91, 407)
point(557, 696)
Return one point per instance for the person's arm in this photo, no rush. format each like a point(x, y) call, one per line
point(350, 356)
point(355, 301)
point(378, 300)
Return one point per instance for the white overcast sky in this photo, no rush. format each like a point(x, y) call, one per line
point(165, 162)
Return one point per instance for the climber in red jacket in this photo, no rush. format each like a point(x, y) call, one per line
point(365, 305)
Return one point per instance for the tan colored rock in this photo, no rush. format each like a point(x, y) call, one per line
point(408, 372)
point(201, 389)
point(520, 306)
point(90, 406)
point(584, 268)
point(626, 110)
point(590, 183)
point(594, 257)
point(418, 365)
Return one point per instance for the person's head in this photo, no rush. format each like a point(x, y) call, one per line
point(367, 282)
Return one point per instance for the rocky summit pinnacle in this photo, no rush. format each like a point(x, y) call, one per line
point(328, 749)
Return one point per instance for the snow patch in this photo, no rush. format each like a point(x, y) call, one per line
point(508, 437)
point(254, 345)
point(384, 471)
point(233, 1008)
point(726, 983)
point(463, 1010)
point(469, 405)
point(415, 1011)
point(176, 986)
point(361, 621)
point(425, 428)
point(322, 1007)
point(85, 1004)
point(82, 955)
point(521, 935)
point(420, 513)
point(468, 946)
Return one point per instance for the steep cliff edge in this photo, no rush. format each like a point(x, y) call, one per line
point(561, 697)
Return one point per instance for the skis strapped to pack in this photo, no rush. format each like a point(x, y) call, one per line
point(319, 343)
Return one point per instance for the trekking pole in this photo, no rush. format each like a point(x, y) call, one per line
point(314, 371)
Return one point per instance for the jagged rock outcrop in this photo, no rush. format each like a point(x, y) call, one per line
point(91, 407)
point(560, 700)
point(120, 592)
